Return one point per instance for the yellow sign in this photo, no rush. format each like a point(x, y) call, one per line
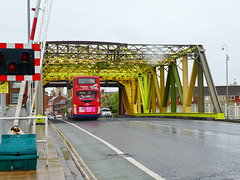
point(39, 120)
point(3, 86)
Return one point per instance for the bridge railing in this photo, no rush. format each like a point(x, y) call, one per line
point(233, 110)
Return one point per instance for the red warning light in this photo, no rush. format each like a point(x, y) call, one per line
point(12, 67)
point(25, 57)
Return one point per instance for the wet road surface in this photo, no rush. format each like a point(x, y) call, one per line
point(170, 148)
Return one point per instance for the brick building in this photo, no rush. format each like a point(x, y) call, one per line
point(59, 107)
point(14, 89)
point(12, 96)
point(233, 93)
point(53, 104)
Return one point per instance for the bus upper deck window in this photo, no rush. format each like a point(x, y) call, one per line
point(86, 80)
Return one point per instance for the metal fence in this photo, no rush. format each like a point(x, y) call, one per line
point(233, 110)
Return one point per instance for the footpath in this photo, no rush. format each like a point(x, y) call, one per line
point(60, 165)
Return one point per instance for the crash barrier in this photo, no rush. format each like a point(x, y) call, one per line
point(18, 151)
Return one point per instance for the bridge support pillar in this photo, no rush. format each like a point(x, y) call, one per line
point(121, 110)
point(162, 89)
point(173, 90)
point(153, 100)
point(139, 106)
point(185, 83)
point(200, 89)
point(191, 87)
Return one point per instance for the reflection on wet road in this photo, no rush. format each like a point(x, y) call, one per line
point(174, 130)
point(171, 148)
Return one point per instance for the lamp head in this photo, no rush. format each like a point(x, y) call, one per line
point(223, 47)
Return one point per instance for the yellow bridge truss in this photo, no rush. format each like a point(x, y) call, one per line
point(140, 69)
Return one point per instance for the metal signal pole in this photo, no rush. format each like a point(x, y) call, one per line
point(227, 58)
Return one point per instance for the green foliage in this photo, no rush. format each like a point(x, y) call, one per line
point(113, 101)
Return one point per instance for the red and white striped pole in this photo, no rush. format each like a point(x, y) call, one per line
point(34, 25)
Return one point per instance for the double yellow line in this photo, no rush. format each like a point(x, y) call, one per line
point(73, 152)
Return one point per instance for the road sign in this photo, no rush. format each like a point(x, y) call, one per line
point(3, 86)
point(39, 120)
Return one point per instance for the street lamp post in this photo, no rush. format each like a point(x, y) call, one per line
point(225, 47)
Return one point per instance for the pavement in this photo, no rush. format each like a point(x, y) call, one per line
point(56, 169)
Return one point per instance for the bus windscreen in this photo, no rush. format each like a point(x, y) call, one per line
point(87, 96)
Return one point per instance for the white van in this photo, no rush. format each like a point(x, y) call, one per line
point(106, 112)
point(58, 117)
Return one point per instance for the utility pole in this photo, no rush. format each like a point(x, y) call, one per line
point(227, 58)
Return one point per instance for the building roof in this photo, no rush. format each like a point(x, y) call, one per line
point(52, 98)
point(63, 95)
point(221, 91)
point(61, 102)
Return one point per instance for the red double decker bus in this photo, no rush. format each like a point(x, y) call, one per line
point(86, 98)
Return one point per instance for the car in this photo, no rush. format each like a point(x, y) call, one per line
point(106, 112)
point(50, 117)
point(58, 117)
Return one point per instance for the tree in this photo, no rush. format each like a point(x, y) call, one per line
point(113, 101)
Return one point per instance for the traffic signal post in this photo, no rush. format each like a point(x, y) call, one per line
point(18, 62)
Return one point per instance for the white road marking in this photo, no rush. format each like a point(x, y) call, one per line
point(220, 123)
point(202, 132)
point(161, 125)
point(130, 159)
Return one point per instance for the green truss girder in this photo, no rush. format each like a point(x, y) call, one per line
point(173, 90)
point(172, 80)
point(178, 81)
point(148, 92)
point(166, 92)
point(145, 92)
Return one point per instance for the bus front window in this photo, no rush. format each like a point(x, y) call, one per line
point(87, 96)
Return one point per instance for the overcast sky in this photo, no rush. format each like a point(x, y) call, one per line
point(211, 23)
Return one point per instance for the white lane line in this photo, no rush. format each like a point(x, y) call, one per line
point(161, 125)
point(130, 159)
point(202, 132)
point(219, 123)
